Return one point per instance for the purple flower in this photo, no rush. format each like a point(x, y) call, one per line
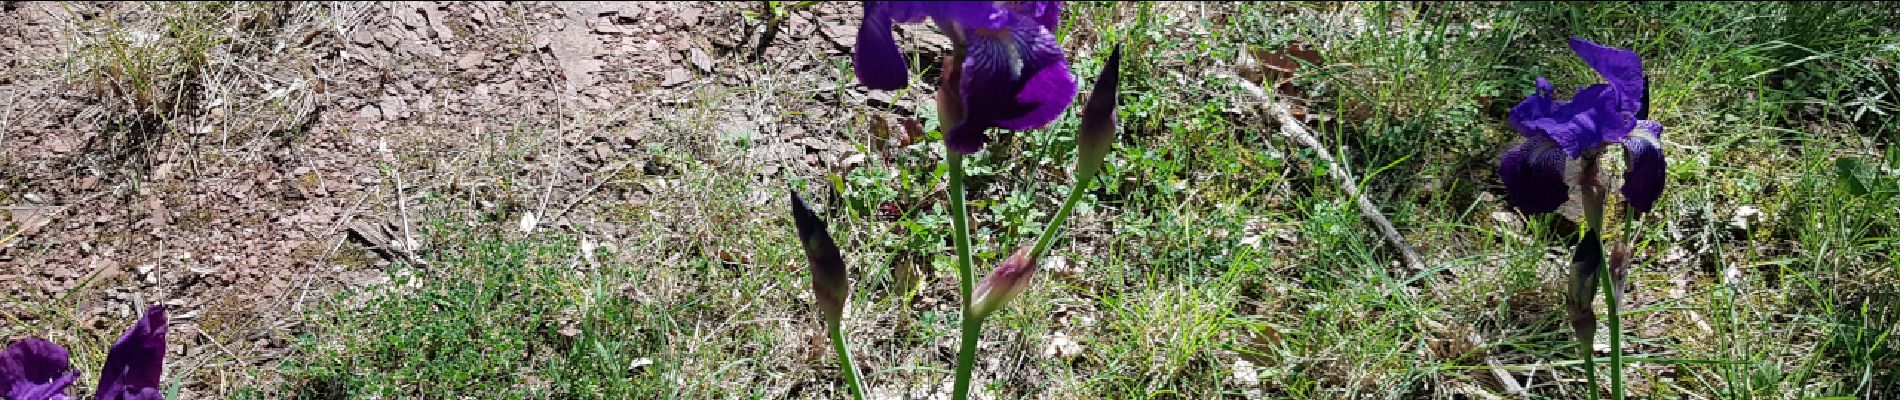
point(135, 361)
point(1555, 132)
point(1012, 73)
point(35, 369)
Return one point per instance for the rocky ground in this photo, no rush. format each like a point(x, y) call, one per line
point(239, 162)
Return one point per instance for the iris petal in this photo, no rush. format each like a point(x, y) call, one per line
point(1654, 128)
point(965, 14)
point(1585, 122)
point(1538, 105)
point(1624, 71)
point(1643, 180)
point(876, 59)
point(967, 137)
point(1044, 96)
point(136, 361)
point(1533, 175)
point(1016, 79)
point(34, 369)
point(1599, 113)
point(1045, 13)
point(150, 393)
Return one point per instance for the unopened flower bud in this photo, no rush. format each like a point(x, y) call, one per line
point(1585, 263)
point(828, 282)
point(1097, 135)
point(1008, 280)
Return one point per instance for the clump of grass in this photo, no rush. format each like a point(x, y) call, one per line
point(157, 71)
point(145, 73)
point(495, 318)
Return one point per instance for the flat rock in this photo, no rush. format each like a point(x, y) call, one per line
point(675, 77)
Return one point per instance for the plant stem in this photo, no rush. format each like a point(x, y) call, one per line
point(844, 357)
point(1616, 335)
point(1590, 369)
point(1594, 192)
point(966, 356)
point(960, 226)
point(1062, 215)
point(973, 326)
point(966, 277)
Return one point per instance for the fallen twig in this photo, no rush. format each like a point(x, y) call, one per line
point(1292, 129)
point(409, 242)
point(1505, 380)
point(380, 237)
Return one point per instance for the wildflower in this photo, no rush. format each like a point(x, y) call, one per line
point(1011, 72)
point(35, 369)
point(1555, 132)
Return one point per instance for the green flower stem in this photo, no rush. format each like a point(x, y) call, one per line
point(1592, 188)
point(1594, 192)
point(960, 226)
point(966, 355)
point(1616, 335)
point(1083, 179)
point(1590, 370)
point(844, 357)
point(966, 277)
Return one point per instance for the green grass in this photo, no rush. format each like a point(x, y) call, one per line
point(1166, 302)
point(506, 319)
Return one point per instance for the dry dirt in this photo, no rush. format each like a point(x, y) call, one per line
point(291, 160)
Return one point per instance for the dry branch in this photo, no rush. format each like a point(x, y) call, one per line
point(1291, 128)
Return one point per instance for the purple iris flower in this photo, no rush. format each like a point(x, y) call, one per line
point(1555, 132)
point(35, 369)
point(1012, 74)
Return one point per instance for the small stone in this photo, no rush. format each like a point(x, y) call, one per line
point(1245, 374)
point(1744, 215)
point(1059, 346)
point(470, 60)
point(609, 28)
point(528, 222)
point(394, 108)
point(700, 59)
point(689, 15)
point(675, 77)
point(363, 37)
